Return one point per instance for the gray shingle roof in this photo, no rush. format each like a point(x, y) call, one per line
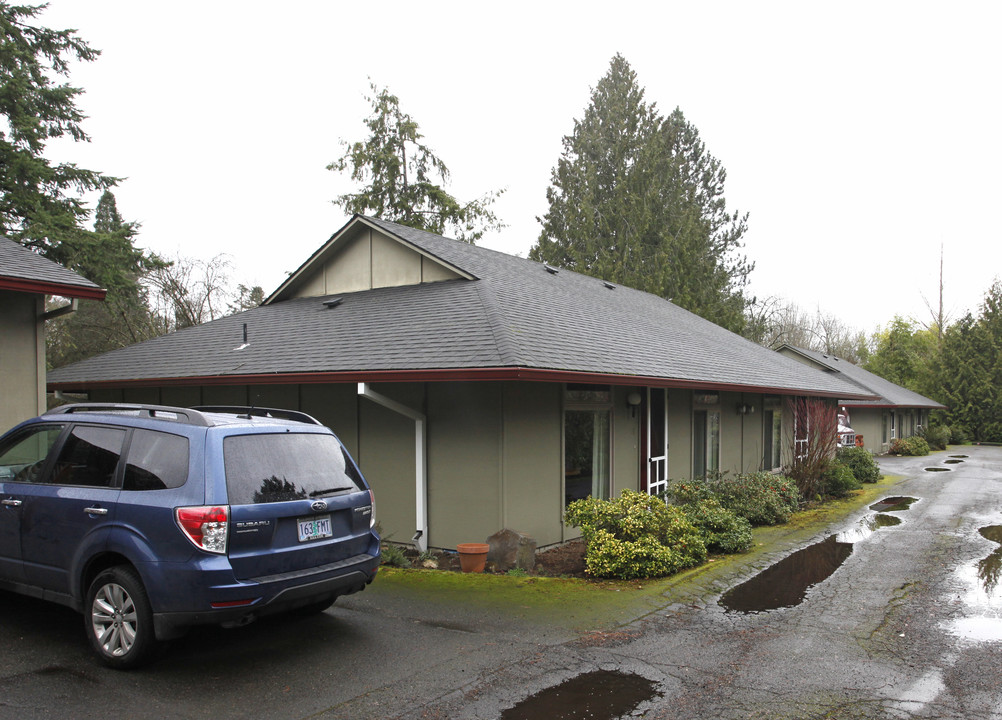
point(889, 394)
point(513, 315)
point(23, 270)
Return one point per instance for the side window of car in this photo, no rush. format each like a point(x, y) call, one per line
point(156, 461)
point(88, 457)
point(23, 455)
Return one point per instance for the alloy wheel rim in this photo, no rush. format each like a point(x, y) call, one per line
point(114, 619)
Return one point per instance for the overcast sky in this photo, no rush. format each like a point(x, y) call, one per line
point(860, 136)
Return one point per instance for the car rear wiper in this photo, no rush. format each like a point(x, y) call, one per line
point(328, 491)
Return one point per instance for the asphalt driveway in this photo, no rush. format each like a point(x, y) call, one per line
point(909, 625)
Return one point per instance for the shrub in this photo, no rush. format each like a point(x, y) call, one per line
point(760, 498)
point(860, 462)
point(839, 480)
point(393, 556)
point(684, 492)
point(958, 435)
point(635, 536)
point(722, 531)
point(913, 445)
point(938, 437)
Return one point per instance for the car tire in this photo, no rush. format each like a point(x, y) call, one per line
point(119, 619)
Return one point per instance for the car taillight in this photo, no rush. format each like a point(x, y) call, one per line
point(372, 501)
point(205, 526)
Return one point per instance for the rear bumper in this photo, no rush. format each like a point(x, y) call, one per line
point(270, 595)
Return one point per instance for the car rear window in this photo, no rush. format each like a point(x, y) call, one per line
point(289, 466)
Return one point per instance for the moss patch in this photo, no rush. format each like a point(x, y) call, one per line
point(578, 604)
point(569, 602)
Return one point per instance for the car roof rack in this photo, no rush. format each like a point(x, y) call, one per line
point(250, 412)
point(155, 412)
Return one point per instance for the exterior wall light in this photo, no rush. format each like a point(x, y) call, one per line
point(632, 401)
point(746, 409)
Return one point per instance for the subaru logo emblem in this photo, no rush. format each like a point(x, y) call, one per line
point(319, 505)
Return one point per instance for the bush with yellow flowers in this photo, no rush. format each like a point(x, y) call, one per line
point(635, 536)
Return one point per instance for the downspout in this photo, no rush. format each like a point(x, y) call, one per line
point(42, 316)
point(420, 538)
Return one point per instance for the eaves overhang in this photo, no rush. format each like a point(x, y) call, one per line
point(39, 287)
point(444, 375)
point(887, 405)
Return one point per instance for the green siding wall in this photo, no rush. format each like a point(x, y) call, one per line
point(532, 464)
point(464, 462)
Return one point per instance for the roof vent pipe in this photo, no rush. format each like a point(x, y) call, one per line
point(244, 343)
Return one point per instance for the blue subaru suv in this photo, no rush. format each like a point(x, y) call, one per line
point(150, 520)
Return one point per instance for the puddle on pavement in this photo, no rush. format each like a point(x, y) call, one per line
point(786, 583)
point(893, 504)
point(986, 627)
point(599, 695)
point(979, 629)
point(867, 526)
point(937, 469)
point(952, 462)
point(990, 567)
point(959, 456)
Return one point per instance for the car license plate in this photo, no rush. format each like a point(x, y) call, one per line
point(315, 528)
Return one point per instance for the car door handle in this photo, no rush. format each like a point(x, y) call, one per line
point(96, 511)
point(10, 502)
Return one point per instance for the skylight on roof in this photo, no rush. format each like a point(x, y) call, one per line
point(550, 269)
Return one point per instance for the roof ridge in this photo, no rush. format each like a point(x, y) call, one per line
point(509, 350)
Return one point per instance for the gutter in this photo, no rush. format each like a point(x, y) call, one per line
point(40, 287)
point(453, 374)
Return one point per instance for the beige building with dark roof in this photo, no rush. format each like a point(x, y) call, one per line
point(26, 278)
point(477, 390)
point(893, 411)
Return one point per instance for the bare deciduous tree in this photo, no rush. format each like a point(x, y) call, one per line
point(776, 322)
point(189, 291)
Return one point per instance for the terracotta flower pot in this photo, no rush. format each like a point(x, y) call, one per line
point(473, 556)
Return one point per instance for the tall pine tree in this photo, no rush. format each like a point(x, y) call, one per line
point(635, 198)
point(40, 203)
point(403, 179)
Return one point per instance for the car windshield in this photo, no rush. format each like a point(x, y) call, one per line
point(289, 466)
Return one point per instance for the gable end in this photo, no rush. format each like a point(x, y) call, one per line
point(361, 257)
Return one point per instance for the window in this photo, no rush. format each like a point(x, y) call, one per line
point(292, 466)
point(22, 457)
point(705, 442)
point(157, 461)
point(772, 422)
point(587, 442)
point(89, 457)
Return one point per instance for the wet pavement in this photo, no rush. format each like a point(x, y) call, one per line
point(895, 612)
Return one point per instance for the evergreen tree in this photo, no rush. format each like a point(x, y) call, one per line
point(39, 202)
point(906, 355)
point(399, 173)
point(110, 259)
point(635, 198)
point(964, 378)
